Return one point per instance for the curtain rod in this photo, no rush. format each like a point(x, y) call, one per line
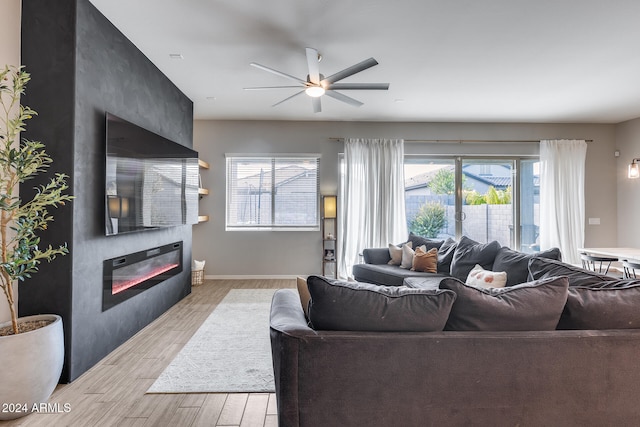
point(462, 141)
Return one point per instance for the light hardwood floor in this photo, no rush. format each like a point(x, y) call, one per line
point(112, 393)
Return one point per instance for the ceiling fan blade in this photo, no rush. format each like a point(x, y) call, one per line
point(344, 98)
point(286, 99)
point(312, 62)
point(317, 105)
point(279, 73)
point(272, 87)
point(361, 66)
point(358, 86)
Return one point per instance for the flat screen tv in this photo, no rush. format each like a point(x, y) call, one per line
point(150, 181)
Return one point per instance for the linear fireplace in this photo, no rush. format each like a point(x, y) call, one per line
point(130, 275)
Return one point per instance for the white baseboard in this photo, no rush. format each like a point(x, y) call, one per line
point(249, 276)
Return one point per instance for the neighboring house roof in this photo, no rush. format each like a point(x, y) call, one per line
point(284, 175)
point(499, 182)
point(423, 179)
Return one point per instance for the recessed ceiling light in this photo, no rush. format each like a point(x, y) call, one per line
point(176, 56)
point(398, 100)
point(211, 98)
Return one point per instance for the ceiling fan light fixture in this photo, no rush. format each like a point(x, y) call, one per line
point(314, 91)
point(316, 85)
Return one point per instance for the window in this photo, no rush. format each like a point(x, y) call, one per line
point(269, 193)
point(483, 198)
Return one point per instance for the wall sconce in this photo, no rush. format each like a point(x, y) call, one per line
point(118, 206)
point(329, 204)
point(634, 169)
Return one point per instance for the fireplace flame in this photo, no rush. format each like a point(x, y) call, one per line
point(123, 285)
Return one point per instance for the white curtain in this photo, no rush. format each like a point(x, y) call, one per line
point(562, 216)
point(372, 193)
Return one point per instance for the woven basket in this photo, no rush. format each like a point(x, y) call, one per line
point(197, 277)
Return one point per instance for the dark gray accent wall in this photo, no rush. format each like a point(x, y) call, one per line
point(81, 67)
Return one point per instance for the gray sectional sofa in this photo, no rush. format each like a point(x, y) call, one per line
point(560, 349)
point(538, 378)
point(454, 259)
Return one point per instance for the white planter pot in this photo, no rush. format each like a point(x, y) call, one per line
point(31, 367)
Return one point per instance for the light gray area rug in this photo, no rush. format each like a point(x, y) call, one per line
point(229, 353)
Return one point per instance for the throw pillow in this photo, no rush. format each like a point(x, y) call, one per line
point(532, 306)
point(305, 296)
point(420, 241)
point(445, 255)
point(407, 256)
point(468, 253)
point(516, 263)
point(395, 252)
point(540, 268)
point(355, 306)
point(426, 261)
point(478, 276)
point(606, 305)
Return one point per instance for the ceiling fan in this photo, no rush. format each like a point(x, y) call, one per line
point(317, 85)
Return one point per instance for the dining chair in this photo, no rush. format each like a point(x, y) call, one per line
point(598, 264)
point(629, 269)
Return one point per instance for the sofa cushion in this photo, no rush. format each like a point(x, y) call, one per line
point(354, 306)
point(424, 282)
point(482, 278)
point(515, 263)
point(305, 297)
point(395, 252)
point(540, 268)
point(532, 306)
point(605, 305)
point(468, 253)
point(445, 255)
point(424, 241)
point(426, 261)
point(376, 255)
point(407, 256)
point(388, 275)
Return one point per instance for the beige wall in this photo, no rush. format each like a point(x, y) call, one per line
point(628, 142)
point(287, 253)
point(10, 32)
point(9, 55)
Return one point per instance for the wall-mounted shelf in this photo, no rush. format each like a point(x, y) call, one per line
point(202, 191)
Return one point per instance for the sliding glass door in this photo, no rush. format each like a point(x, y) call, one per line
point(430, 194)
point(487, 196)
point(485, 199)
point(529, 189)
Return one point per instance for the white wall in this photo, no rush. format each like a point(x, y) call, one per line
point(287, 253)
point(628, 142)
point(9, 55)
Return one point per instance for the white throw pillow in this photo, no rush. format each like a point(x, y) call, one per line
point(198, 265)
point(395, 252)
point(479, 277)
point(407, 257)
point(408, 254)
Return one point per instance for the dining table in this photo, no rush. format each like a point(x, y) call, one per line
point(629, 254)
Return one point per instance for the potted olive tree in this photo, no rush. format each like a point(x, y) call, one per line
point(32, 347)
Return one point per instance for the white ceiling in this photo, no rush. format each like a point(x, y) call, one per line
point(446, 60)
